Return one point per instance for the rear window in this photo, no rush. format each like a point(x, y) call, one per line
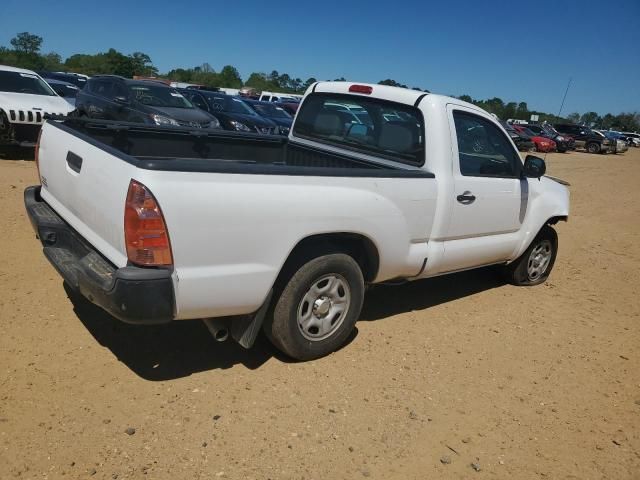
point(367, 125)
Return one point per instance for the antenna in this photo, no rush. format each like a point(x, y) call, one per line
point(565, 96)
point(561, 105)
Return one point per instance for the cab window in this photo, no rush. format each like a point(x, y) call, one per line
point(483, 149)
point(368, 125)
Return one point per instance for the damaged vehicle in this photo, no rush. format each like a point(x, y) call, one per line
point(253, 232)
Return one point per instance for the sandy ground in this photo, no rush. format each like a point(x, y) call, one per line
point(539, 382)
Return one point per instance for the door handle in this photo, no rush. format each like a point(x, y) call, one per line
point(466, 198)
point(74, 161)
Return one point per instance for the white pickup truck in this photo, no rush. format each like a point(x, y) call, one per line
point(373, 184)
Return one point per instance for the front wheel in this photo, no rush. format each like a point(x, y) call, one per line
point(318, 307)
point(535, 264)
point(593, 148)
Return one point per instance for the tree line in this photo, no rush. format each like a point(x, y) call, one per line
point(25, 52)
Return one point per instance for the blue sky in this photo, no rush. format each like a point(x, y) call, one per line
point(517, 50)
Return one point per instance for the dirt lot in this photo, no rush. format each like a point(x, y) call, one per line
point(524, 382)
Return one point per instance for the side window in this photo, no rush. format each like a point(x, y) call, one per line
point(483, 149)
point(102, 88)
point(119, 90)
point(198, 101)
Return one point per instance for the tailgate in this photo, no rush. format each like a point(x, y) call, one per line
point(86, 185)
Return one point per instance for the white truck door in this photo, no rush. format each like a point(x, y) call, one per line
point(490, 198)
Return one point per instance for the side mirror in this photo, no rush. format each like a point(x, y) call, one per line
point(534, 167)
point(121, 100)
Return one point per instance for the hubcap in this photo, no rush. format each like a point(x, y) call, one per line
point(324, 307)
point(539, 260)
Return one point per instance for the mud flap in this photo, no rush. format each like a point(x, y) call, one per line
point(245, 329)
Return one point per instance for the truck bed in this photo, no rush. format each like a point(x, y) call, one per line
point(180, 149)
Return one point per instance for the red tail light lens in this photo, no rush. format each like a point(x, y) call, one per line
point(366, 89)
point(145, 231)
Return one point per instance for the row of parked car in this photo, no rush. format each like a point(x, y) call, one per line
point(564, 137)
point(154, 102)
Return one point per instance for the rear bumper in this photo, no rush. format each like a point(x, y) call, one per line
point(131, 294)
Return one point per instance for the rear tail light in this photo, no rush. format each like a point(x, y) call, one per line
point(366, 89)
point(145, 231)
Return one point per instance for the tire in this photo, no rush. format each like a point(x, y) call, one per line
point(532, 148)
point(317, 308)
point(535, 264)
point(593, 147)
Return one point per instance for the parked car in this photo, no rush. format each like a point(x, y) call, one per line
point(563, 144)
point(633, 137)
point(523, 143)
point(621, 144)
point(66, 90)
point(73, 78)
point(586, 138)
point(25, 99)
point(542, 143)
point(290, 107)
point(273, 112)
point(278, 97)
point(110, 97)
point(251, 231)
point(233, 112)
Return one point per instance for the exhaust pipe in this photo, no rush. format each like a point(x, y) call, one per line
point(218, 328)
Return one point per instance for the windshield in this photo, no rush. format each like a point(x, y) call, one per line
point(271, 111)
point(230, 104)
point(68, 91)
point(17, 82)
point(157, 96)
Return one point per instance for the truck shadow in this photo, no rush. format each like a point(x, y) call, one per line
point(170, 351)
point(382, 301)
point(179, 349)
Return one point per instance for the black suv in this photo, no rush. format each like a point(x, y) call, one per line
point(592, 142)
point(110, 97)
point(232, 112)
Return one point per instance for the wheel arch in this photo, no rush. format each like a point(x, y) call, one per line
point(363, 250)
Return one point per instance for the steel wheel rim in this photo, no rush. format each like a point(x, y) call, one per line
point(539, 259)
point(323, 307)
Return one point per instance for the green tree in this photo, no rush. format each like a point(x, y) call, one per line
point(510, 110)
point(258, 81)
point(466, 98)
point(391, 83)
point(26, 42)
point(52, 61)
point(573, 117)
point(310, 81)
point(142, 65)
point(590, 119)
point(230, 77)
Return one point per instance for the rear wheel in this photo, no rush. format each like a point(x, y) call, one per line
point(535, 264)
point(593, 147)
point(318, 307)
